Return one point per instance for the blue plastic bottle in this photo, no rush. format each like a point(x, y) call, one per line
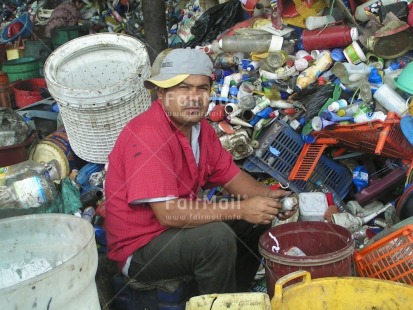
point(360, 177)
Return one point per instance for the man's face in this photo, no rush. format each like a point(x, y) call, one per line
point(187, 102)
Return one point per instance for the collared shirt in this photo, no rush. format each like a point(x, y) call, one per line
point(152, 158)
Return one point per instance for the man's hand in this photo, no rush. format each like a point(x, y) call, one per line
point(278, 195)
point(260, 210)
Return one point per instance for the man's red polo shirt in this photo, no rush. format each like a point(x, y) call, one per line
point(153, 159)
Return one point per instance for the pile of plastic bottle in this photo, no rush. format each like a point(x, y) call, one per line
point(262, 72)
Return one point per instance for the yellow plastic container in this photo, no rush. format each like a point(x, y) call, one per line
point(340, 293)
point(230, 301)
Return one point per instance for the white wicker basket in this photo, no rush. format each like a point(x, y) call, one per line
point(97, 81)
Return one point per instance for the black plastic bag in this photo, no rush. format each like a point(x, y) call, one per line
point(318, 99)
point(216, 20)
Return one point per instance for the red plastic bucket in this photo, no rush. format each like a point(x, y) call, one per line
point(328, 248)
point(14, 154)
point(27, 92)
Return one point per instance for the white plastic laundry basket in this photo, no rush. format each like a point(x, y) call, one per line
point(97, 80)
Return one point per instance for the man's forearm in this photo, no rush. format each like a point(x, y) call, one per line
point(245, 186)
point(185, 213)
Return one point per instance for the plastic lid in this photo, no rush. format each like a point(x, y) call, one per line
point(375, 77)
point(233, 90)
point(337, 54)
point(341, 112)
point(317, 123)
point(334, 106)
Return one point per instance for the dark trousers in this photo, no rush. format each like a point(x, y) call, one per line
point(222, 257)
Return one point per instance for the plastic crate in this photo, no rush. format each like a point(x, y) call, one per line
point(390, 258)
point(377, 137)
point(277, 154)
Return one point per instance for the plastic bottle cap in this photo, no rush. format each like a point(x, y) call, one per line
point(341, 112)
point(301, 64)
point(233, 90)
point(334, 106)
point(301, 54)
point(337, 54)
point(321, 81)
point(375, 77)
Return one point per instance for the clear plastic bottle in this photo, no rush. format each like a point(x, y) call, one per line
point(30, 192)
point(360, 68)
point(29, 168)
point(248, 44)
point(324, 188)
point(365, 92)
point(363, 109)
point(350, 110)
point(340, 71)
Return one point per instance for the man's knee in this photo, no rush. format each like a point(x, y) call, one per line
point(218, 236)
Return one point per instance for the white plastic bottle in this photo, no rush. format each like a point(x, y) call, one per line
point(390, 99)
point(289, 203)
point(314, 22)
point(361, 14)
point(360, 68)
point(368, 117)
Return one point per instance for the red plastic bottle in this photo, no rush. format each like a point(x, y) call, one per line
point(330, 37)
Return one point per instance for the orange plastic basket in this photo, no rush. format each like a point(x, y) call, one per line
point(390, 258)
point(377, 137)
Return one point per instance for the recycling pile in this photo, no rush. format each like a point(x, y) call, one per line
point(312, 96)
point(334, 84)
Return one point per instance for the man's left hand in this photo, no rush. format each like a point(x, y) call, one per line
point(278, 195)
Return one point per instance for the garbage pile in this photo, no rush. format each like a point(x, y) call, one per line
point(312, 96)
